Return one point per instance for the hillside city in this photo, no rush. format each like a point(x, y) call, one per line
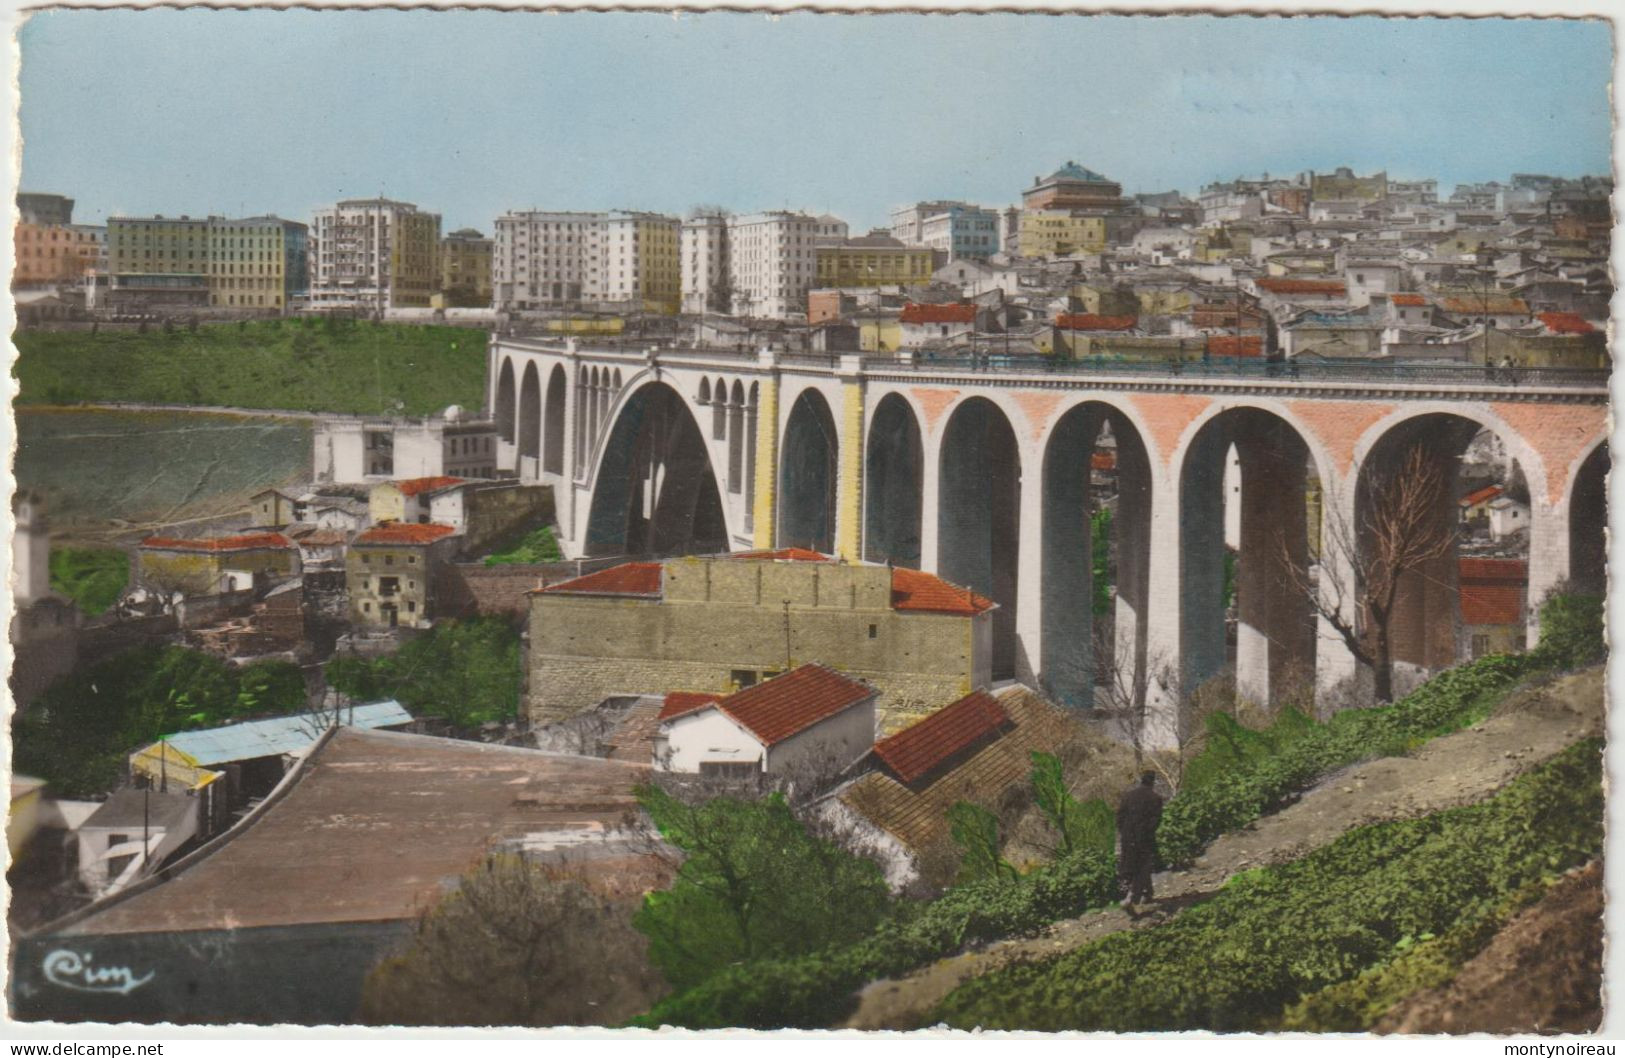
point(571, 567)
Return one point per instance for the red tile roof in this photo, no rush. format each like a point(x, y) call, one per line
point(1235, 345)
point(928, 593)
point(630, 578)
point(1089, 321)
point(1279, 285)
point(918, 750)
point(1477, 496)
point(783, 554)
point(681, 703)
point(913, 313)
point(414, 486)
point(247, 542)
point(791, 703)
point(1492, 590)
point(1410, 300)
point(412, 534)
point(1566, 323)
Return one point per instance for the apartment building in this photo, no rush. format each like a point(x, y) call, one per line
point(55, 254)
point(622, 260)
point(704, 266)
point(956, 229)
point(374, 254)
point(157, 262)
point(772, 262)
point(257, 262)
point(465, 270)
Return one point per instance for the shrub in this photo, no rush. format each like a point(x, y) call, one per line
point(1275, 935)
point(1571, 631)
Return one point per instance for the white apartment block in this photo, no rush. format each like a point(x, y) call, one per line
point(622, 260)
point(373, 254)
point(705, 264)
point(907, 222)
point(964, 231)
point(772, 262)
point(831, 230)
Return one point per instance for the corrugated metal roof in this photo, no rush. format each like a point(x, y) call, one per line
point(279, 735)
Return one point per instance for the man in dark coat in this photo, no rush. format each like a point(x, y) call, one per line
point(1138, 814)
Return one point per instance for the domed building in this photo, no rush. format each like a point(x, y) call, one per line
point(1073, 187)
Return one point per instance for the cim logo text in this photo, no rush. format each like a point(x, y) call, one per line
point(70, 969)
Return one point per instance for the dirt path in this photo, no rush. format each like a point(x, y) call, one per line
point(1447, 772)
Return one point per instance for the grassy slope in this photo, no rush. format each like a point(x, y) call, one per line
point(303, 365)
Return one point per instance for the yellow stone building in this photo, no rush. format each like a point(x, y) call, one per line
point(873, 261)
point(1052, 233)
point(256, 262)
point(465, 270)
point(200, 566)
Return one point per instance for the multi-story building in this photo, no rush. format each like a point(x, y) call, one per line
point(465, 270)
point(830, 230)
point(375, 254)
point(962, 231)
point(1061, 233)
point(56, 254)
point(157, 262)
point(874, 260)
point(37, 207)
point(257, 262)
point(772, 262)
point(907, 222)
point(704, 265)
point(389, 571)
point(625, 261)
point(1072, 187)
point(1343, 186)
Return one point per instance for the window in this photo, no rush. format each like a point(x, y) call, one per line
point(389, 560)
point(1481, 645)
point(366, 607)
point(874, 631)
point(743, 678)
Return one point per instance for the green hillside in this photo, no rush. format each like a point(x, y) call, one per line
point(302, 365)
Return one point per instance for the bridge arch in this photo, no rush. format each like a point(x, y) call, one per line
point(979, 515)
point(530, 414)
point(1588, 519)
point(1096, 479)
point(1425, 629)
point(1249, 487)
point(553, 422)
point(808, 464)
point(736, 439)
point(655, 491)
point(507, 400)
point(894, 483)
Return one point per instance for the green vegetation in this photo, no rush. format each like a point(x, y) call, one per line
point(1275, 935)
point(975, 830)
point(753, 885)
point(815, 990)
point(298, 364)
point(465, 672)
point(94, 578)
point(539, 545)
point(1100, 547)
point(1082, 825)
point(80, 732)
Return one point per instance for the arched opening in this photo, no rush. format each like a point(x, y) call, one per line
point(1249, 525)
point(704, 395)
point(751, 427)
point(583, 413)
point(553, 442)
point(1588, 520)
point(1441, 545)
point(1097, 552)
point(893, 474)
point(655, 493)
point(505, 401)
point(530, 414)
point(807, 476)
point(736, 440)
point(979, 516)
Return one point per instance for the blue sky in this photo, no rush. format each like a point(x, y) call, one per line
point(475, 113)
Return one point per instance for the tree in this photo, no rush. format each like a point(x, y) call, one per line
point(752, 884)
point(464, 671)
point(1081, 825)
point(976, 830)
point(1399, 531)
point(515, 943)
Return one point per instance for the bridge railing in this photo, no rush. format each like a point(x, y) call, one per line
point(1350, 370)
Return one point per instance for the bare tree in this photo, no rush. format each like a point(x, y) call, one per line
point(516, 943)
point(1126, 697)
point(1401, 532)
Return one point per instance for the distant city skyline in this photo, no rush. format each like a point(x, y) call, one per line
point(473, 114)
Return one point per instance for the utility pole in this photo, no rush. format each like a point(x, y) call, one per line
point(787, 659)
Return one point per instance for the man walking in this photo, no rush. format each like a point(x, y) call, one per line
point(1138, 814)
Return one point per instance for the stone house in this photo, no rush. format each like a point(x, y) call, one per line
point(406, 501)
point(389, 570)
point(718, 625)
point(202, 566)
point(1493, 605)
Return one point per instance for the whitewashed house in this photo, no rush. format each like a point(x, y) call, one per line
point(811, 718)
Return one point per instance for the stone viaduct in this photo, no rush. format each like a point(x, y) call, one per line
point(979, 471)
